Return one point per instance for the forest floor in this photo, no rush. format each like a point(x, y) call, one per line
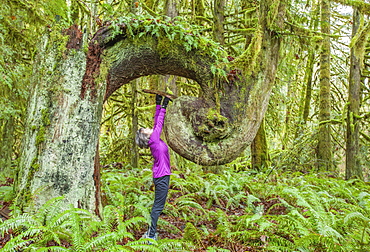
point(232, 211)
point(179, 223)
point(138, 233)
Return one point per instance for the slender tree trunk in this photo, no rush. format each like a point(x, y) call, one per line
point(308, 89)
point(324, 150)
point(219, 19)
point(306, 94)
point(134, 124)
point(134, 117)
point(288, 116)
point(353, 165)
point(172, 12)
point(6, 145)
point(259, 149)
point(171, 8)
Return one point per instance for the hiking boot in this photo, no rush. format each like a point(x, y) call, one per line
point(146, 236)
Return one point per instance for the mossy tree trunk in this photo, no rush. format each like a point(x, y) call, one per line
point(219, 20)
point(7, 142)
point(324, 150)
point(310, 68)
point(259, 149)
point(308, 88)
point(59, 153)
point(210, 137)
point(134, 124)
point(353, 165)
point(171, 8)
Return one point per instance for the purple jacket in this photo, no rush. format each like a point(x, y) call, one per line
point(159, 149)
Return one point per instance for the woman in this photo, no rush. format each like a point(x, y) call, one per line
point(161, 167)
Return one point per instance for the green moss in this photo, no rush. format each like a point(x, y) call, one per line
point(214, 127)
point(57, 46)
point(45, 121)
point(59, 41)
point(214, 115)
point(40, 137)
point(35, 165)
point(248, 60)
point(24, 196)
point(45, 117)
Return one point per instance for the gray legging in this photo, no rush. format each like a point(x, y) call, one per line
point(161, 190)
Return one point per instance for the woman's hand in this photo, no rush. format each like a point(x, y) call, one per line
point(158, 99)
point(166, 100)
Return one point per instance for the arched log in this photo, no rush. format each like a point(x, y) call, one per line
point(216, 127)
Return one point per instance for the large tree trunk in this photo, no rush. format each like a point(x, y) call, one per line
point(59, 154)
point(60, 149)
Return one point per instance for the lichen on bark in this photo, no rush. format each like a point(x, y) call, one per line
point(62, 130)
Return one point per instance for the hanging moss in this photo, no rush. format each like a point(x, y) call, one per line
point(248, 60)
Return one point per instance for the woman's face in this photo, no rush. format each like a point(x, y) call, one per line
point(147, 131)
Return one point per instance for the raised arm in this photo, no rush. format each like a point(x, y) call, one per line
point(160, 114)
point(158, 123)
point(158, 101)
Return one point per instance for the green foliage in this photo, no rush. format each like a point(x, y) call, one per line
point(176, 31)
point(192, 234)
point(218, 212)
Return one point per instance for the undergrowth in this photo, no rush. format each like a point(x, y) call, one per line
point(232, 211)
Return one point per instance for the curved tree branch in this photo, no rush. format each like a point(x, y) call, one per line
point(216, 127)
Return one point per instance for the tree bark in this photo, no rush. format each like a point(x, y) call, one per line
point(171, 8)
point(59, 154)
point(6, 144)
point(259, 149)
point(308, 89)
point(324, 150)
point(353, 165)
point(134, 125)
point(219, 19)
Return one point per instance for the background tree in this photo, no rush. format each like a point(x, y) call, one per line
point(324, 149)
point(360, 37)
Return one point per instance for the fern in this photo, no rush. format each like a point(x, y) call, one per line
point(192, 234)
point(315, 241)
point(359, 227)
point(224, 226)
point(174, 245)
point(52, 249)
point(211, 249)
